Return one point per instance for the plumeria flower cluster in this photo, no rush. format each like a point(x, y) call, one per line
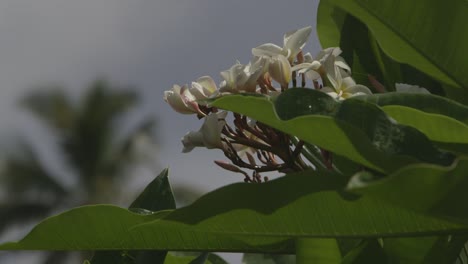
point(249, 144)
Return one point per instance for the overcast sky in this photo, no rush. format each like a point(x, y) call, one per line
point(149, 44)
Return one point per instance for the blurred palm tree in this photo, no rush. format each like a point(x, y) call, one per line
point(88, 138)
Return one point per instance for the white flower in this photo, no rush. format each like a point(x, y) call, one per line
point(209, 135)
point(344, 86)
point(280, 70)
point(408, 88)
point(293, 43)
point(312, 68)
point(243, 77)
point(203, 88)
point(333, 54)
point(309, 69)
point(181, 100)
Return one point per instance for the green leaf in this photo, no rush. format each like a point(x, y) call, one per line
point(155, 197)
point(330, 21)
point(92, 230)
point(367, 251)
point(428, 103)
point(444, 249)
point(442, 120)
point(431, 189)
point(308, 206)
point(360, 50)
point(242, 217)
point(409, 36)
point(326, 131)
point(348, 128)
point(317, 250)
point(436, 127)
point(207, 258)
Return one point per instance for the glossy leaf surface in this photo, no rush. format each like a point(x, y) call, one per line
point(409, 40)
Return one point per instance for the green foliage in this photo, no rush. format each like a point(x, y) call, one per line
point(156, 196)
point(257, 221)
point(405, 32)
point(387, 181)
point(350, 128)
point(85, 132)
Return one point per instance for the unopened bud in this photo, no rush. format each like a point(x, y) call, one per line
point(229, 167)
point(250, 158)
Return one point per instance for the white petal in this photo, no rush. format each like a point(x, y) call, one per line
point(256, 63)
point(309, 69)
point(347, 80)
point(225, 89)
point(301, 66)
point(176, 101)
point(197, 91)
point(256, 68)
point(233, 75)
point(328, 52)
point(211, 130)
point(268, 49)
point(333, 73)
point(336, 51)
point(327, 89)
point(189, 99)
point(191, 140)
point(312, 75)
point(280, 70)
point(208, 83)
point(340, 62)
point(227, 78)
point(294, 41)
point(203, 88)
point(308, 57)
point(333, 95)
point(222, 114)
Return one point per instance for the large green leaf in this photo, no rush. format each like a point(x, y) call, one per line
point(436, 127)
point(361, 51)
point(440, 119)
point(405, 32)
point(317, 250)
point(337, 28)
point(367, 251)
point(429, 103)
point(357, 130)
point(431, 250)
point(432, 189)
point(107, 227)
point(239, 217)
point(155, 197)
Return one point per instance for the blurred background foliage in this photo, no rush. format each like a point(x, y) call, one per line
point(89, 138)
